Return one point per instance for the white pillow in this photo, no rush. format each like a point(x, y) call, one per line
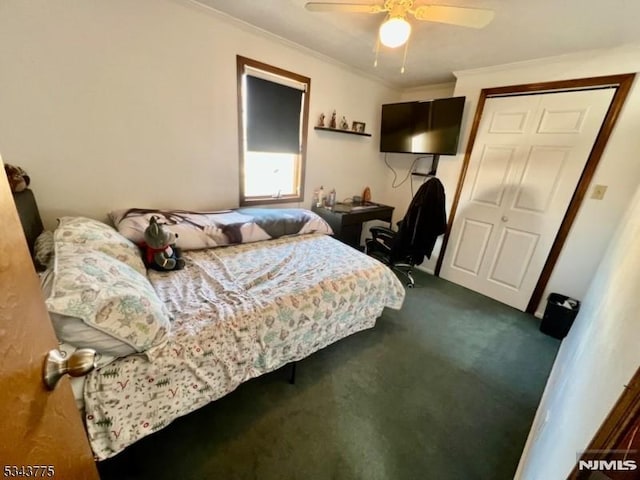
point(107, 295)
point(74, 331)
point(99, 236)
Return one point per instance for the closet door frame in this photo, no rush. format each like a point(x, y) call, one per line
point(622, 83)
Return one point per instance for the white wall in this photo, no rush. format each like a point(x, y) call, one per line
point(121, 103)
point(428, 92)
point(619, 167)
point(595, 361)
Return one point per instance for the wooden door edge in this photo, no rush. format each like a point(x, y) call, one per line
point(624, 416)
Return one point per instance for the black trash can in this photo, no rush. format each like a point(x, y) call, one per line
point(559, 315)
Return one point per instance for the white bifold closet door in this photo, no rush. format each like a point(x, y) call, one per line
point(527, 159)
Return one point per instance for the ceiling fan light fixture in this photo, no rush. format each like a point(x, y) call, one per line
point(395, 32)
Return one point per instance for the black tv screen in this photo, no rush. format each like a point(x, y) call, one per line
point(431, 127)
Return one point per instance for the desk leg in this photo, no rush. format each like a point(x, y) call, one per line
point(351, 235)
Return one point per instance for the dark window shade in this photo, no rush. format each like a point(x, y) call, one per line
point(273, 116)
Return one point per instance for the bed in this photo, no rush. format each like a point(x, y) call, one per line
point(233, 313)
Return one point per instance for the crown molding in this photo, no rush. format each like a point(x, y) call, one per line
point(585, 55)
point(417, 88)
point(252, 29)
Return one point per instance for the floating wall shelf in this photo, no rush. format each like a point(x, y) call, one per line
point(338, 130)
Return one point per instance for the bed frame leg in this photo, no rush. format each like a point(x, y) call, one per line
point(292, 375)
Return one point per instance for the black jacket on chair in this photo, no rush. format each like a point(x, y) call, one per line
point(424, 221)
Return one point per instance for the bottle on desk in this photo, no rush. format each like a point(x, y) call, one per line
point(321, 197)
point(332, 198)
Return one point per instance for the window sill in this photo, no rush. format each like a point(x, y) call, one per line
point(269, 201)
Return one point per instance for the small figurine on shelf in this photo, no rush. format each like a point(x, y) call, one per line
point(321, 120)
point(332, 122)
point(344, 125)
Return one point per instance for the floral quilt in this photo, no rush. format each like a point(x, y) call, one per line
point(239, 312)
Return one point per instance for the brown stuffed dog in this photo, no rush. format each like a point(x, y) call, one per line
point(18, 178)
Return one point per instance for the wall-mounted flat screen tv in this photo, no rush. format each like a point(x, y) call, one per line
point(431, 127)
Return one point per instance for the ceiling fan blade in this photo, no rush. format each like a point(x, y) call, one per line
point(463, 16)
point(343, 7)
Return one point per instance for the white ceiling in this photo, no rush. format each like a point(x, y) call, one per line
point(521, 30)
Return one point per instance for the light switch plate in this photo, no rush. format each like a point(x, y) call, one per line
point(598, 192)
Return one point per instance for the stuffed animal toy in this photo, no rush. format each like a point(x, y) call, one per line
point(18, 178)
point(159, 248)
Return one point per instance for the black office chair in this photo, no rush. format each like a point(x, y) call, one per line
point(417, 232)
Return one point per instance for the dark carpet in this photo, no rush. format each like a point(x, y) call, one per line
point(445, 389)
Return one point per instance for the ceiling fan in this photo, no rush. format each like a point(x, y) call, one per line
point(395, 30)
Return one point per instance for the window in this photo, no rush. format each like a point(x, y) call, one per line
point(273, 106)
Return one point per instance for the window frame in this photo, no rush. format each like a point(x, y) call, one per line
point(241, 63)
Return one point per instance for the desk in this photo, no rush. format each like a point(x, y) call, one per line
point(347, 226)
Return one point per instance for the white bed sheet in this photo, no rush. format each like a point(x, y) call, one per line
point(239, 312)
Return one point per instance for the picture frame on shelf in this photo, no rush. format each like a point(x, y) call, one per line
point(358, 127)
